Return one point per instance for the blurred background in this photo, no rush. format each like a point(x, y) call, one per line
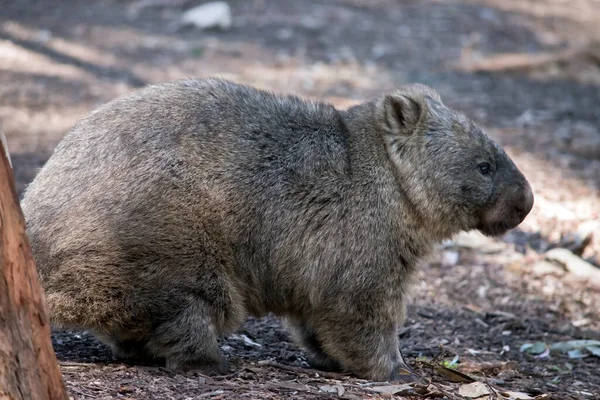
point(528, 71)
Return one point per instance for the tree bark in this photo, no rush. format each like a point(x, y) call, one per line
point(28, 366)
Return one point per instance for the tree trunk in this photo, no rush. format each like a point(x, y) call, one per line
point(28, 367)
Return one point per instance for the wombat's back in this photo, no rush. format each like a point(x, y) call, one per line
point(145, 188)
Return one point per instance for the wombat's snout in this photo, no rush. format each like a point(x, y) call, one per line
point(509, 211)
point(524, 205)
point(519, 202)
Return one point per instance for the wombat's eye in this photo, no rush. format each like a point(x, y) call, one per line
point(484, 168)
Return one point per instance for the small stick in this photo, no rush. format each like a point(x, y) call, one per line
point(300, 370)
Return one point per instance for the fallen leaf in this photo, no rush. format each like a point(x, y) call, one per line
point(339, 389)
point(595, 350)
point(525, 346)
point(567, 346)
point(394, 389)
point(534, 348)
point(429, 391)
point(543, 396)
point(328, 389)
point(545, 354)
point(293, 386)
point(576, 354)
point(451, 374)
point(479, 242)
point(474, 390)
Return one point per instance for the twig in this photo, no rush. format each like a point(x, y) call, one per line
point(232, 375)
point(77, 364)
point(305, 371)
point(445, 393)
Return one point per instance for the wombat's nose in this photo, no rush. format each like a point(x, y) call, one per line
point(525, 206)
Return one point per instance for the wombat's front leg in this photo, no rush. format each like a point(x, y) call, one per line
point(305, 335)
point(365, 343)
point(189, 341)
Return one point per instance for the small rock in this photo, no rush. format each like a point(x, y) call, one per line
point(450, 258)
point(574, 264)
point(208, 15)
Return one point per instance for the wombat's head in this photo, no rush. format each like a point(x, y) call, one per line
point(455, 177)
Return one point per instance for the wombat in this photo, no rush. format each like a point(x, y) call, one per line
point(167, 216)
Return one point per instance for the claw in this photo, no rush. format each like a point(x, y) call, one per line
point(404, 374)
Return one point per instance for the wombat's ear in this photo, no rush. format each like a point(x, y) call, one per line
point(400, 113)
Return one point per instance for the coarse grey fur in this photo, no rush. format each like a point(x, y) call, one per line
point(167, 216)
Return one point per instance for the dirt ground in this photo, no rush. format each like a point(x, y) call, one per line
point(59, 60)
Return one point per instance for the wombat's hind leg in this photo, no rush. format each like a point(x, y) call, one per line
point(189, 341)
point(135, 352)
point(306, 337)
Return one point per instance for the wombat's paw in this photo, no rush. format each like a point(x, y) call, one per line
point(141, 360)
point(323, 363)
point(202, 367)
point(404, 374)
point(133, 352)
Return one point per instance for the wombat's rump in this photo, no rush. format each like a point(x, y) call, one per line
point(165, 217)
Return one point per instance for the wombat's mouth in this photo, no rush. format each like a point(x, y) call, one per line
point(511, 209)
point(495, 228)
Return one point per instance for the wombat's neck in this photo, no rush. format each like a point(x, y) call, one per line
point(373, 171)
